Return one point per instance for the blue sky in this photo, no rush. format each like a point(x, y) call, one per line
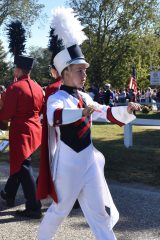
point(40, 30)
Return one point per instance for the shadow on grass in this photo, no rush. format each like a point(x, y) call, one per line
point(140, 163)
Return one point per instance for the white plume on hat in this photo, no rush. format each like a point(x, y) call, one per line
point(67, 26)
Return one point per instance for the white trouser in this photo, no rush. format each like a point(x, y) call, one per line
point(72, 183)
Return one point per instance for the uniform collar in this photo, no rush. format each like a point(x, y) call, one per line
point(25, 76)
point(71, 90)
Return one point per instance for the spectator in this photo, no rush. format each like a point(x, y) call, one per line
point(132, 95)
point(122, 96)
point(95, 92)
point(108, 94)
point(148, 95)
point(138, 95)
point(115, 96)
point(101, 96)
point(142, 97)
point(158, 95)
point(154, 94)
point(91, 92)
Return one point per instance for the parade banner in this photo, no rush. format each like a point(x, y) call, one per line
point(155, 77)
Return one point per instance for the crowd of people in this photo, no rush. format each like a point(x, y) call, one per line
point(71, 167)
point(107, 95)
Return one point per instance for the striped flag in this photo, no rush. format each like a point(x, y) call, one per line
point(133, 81)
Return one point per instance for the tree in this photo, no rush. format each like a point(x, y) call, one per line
point(24, 10)
point(148, 56)
point(4, 68)
point(113, 28)
point(40, 71)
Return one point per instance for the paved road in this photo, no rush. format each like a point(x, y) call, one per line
point(139, 208)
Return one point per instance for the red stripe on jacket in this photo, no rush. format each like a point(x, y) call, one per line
point(112, 119)
point(58, 116)
point(84, 129)
point(88, 125)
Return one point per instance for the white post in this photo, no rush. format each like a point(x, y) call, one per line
point(128, 140)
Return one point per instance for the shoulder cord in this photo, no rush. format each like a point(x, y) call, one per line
point(31, 92)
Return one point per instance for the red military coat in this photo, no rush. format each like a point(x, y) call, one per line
point(22, 106)
point(45, 184)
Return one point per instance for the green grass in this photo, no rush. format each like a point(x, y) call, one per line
point(140, 163)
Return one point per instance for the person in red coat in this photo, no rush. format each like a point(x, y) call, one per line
point(22, 107)
point(44, 183)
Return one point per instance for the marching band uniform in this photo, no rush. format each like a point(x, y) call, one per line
point(76, 166)
point(22, 106)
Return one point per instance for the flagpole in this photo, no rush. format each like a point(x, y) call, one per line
point(133, 82)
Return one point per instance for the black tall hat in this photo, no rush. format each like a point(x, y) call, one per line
point(23, 62)
point(17, 39)
point(55, 45)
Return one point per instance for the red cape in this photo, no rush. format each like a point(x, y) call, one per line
point(45, 185)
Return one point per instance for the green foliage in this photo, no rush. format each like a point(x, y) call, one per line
point(2, 52)
point(55, 45)
point(40, 71)
point(3, 65)
point(26, 11)
point(119, 33)
point(139, 163)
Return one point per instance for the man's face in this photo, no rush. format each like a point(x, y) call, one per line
point(75, 76)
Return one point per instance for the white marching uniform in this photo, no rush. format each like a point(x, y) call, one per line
point(77, 166)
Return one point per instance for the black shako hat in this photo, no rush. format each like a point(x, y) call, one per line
point(23, 62)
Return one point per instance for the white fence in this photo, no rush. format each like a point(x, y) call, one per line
point(128, 135)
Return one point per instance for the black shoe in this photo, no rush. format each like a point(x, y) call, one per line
point(9, 201)
point(29, 214)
